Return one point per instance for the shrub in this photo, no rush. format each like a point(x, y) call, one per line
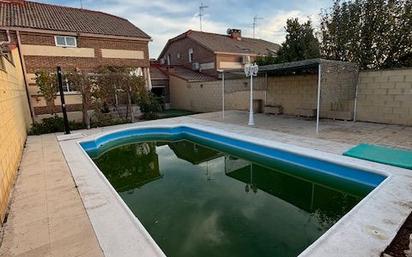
point(51, 125)
point(149, 105)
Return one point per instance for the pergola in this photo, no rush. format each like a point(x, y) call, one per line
point(337, 82)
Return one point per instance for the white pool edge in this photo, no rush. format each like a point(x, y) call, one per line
point(354, 223)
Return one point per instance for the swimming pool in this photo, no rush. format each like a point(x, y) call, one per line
point(291, 190)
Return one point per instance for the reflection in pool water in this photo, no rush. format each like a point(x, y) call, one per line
point(196, 201)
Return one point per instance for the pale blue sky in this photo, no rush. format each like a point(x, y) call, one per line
point(163, 19)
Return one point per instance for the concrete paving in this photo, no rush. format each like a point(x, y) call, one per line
point(346, 132)
point(47, 217)
point(372, 224)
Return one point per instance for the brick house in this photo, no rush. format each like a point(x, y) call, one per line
point(48, 36)
point(209, 52)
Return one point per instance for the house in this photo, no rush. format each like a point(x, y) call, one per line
point(167, 78)
point(209, 52)
point(48, 36)
point(160, 81)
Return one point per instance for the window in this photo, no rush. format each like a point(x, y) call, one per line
point(66, 86)
point(178, 56)
point(168, 59)
point(6, 53)
point(65, 41)
point(190, 54)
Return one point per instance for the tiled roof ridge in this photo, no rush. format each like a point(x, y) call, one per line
point(66, 7)
point(223, 35)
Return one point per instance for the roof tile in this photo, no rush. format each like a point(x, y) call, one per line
point(59, 18)
point(224, 43)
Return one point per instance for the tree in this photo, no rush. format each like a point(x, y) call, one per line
point(300, 42)
point(82, 82)
point(373, 33)
point(47, 84)
point(114, 79)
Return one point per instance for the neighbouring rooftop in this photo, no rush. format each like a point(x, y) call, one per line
point(33, 15)
point(219, 43)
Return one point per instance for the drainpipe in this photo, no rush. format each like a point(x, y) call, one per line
point(8, 39)
point(23, 67)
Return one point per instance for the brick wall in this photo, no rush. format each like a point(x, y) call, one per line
point(182, 46)
point(385, 96)
point(35, 63)
point(14, 122)
point(192, 95)
point(91, 44)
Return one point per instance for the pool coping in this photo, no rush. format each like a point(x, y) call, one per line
point(374, 221)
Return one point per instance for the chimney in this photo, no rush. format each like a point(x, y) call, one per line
point(235, 33)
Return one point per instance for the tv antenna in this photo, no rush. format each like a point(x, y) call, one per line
point(202, 7)
point(255, 23)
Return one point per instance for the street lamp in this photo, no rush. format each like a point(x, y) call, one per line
point(251, 70)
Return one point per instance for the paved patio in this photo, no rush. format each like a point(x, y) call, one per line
point(347, 132)
point(47, 215)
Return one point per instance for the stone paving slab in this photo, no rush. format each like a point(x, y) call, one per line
point(47, 217)
point(372, 223)
point(346, 132)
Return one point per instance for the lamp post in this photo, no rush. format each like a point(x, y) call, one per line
point(251, 70)
point(223, 92)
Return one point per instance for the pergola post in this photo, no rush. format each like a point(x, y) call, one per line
point(223, 94)
point(318, 101)
point(267, 86)
point(355, 104)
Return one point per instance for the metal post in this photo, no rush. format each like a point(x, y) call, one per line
point(355, 104)
point(63, 104)
point(318, 104)
point(251, 119)
point(266, 91)
point(223, 95)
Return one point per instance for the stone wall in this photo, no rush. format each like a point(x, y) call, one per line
point(385, 96)
point(207, 96)
point(293, 92)
point(338, 89)
point(14, 123)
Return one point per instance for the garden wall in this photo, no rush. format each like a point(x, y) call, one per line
point(14, 122)
point(206, 96)
point(385, 96)
point(293, 92)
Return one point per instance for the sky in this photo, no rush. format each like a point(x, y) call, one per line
point(165, 19)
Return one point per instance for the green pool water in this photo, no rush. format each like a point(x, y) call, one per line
point(197, 201)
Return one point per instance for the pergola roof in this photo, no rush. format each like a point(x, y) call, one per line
point(336, 91)
point(309, 65)
point(304, 64)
